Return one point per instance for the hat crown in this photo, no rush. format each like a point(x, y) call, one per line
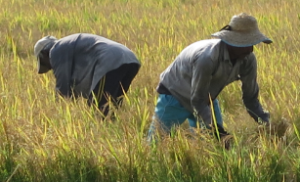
point(40, 44)
point(243, 22)
point(242, 31)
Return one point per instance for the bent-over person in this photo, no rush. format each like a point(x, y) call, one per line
point(88, 65)
point(189, 86)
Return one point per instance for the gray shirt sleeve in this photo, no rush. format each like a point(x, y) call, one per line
point(61, 61)
point(200, 82)
point(251, 90)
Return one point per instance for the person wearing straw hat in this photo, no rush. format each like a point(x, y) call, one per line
point(189, 87)
point(88, 65)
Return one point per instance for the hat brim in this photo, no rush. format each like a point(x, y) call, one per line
point(40, 68)
point(241, 39)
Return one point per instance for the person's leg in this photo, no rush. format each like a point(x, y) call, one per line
point(132, 70)
point(193, 122)
point(107, 89)
point(168, 114)
point(217, 112)
point(96, 97)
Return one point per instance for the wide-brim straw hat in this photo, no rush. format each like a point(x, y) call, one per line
point(242, 31)
point(38, 47)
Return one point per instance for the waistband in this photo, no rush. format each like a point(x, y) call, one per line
point(162, 89)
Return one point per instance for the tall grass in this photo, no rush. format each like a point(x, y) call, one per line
point(44, 139)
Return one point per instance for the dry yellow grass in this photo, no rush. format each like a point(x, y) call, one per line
point(47, 140)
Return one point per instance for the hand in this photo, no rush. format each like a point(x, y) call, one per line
point(265, 118)
point(224, 136)
point(219, 130)
point(278, 128)
point(226, 140)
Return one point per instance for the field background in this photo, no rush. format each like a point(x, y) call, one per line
point(42, 139)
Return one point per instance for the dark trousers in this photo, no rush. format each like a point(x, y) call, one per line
point(112, 86)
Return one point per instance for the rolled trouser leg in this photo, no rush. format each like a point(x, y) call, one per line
point(217, 112)
point(168, 114)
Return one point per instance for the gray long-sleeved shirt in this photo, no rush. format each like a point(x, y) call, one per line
point(80, 60)
point(203, 69)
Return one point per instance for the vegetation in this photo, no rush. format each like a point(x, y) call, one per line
point(45, 139)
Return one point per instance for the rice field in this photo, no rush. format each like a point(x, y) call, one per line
point(47, 139)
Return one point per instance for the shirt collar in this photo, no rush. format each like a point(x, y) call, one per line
point(226, 57)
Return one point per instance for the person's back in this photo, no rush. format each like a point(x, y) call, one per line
point(178, 77)
point(87, 58)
